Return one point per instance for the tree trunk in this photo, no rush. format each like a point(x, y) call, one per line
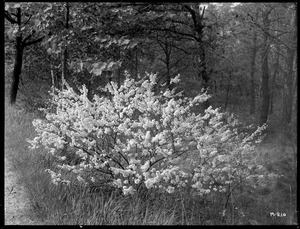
point(289, 75)
point(288, 105)
point(167, 49)
point(295, 93)
point(198, 20)
point(53, 84)
point(64, 67)
point(202, 71)
point(168, 69)
point(20, 45)
point(65, 51)
point(119, 71)
point(119, 75)
point(18, 60)
point(252, 73)
point(64, 59)
point(265, 71)
point(136, 64)
point(273, 88)
point(89, 88)
point(227, 91)
point(52, 78)
point(17, 69)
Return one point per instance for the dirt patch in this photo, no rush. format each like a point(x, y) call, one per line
point(17, 205)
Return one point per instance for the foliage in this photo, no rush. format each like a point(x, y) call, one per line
point(138, 138)
point(106, 39)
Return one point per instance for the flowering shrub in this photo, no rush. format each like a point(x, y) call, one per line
point(136, 137)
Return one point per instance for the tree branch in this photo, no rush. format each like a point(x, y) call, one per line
point(177, 21)
point(176, 32)
point(9, 18)
point(28, 20)
point(193, 14)
point(123, 157)
point(197, 19)
point(33, 42)
point(29, 36)
point(151, 164)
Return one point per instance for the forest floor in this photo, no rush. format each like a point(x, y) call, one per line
point(17, 206)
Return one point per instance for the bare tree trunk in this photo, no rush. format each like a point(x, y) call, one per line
point(52, 78)
point(17, 69)
point(64, 59)
point(202, 71)
point(168, 72)
point(119, 69)
point(276, 70)
point(295, 93)
point(118, 72)
point(136, 64)
point(198, 20)
point(20, 44)
point(265, 71)
point(53, 84)
point(89, 88)
point(64, 68)
point(167, 49)
point(227, 91)
point(65, 51)
point(288, 105)
point(291, 51)
point(252, 73)
point(18, 60)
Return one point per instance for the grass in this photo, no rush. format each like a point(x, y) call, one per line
point(61, 205)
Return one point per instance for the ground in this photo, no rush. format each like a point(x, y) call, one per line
point(17, 205)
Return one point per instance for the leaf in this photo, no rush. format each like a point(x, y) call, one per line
point(17, 5)
point(86, 28)
point(12, 32)
point(98, 68)
point(133, 44)
point(97, 72)
point(110, 65)
point(113, 65)
point(48, 8)
point(125, 42)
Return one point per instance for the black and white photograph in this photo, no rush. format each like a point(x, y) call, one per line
point(150, 113)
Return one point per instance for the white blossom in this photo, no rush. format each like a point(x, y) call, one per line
point(138, 136)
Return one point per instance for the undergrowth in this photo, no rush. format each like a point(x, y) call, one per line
point(61, 205)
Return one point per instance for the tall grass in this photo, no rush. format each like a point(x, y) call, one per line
point(68, 205)
point(63, 205)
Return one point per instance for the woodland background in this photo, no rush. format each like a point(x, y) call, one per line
point(244, 55)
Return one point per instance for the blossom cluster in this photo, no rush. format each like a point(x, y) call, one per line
point(137, 136)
